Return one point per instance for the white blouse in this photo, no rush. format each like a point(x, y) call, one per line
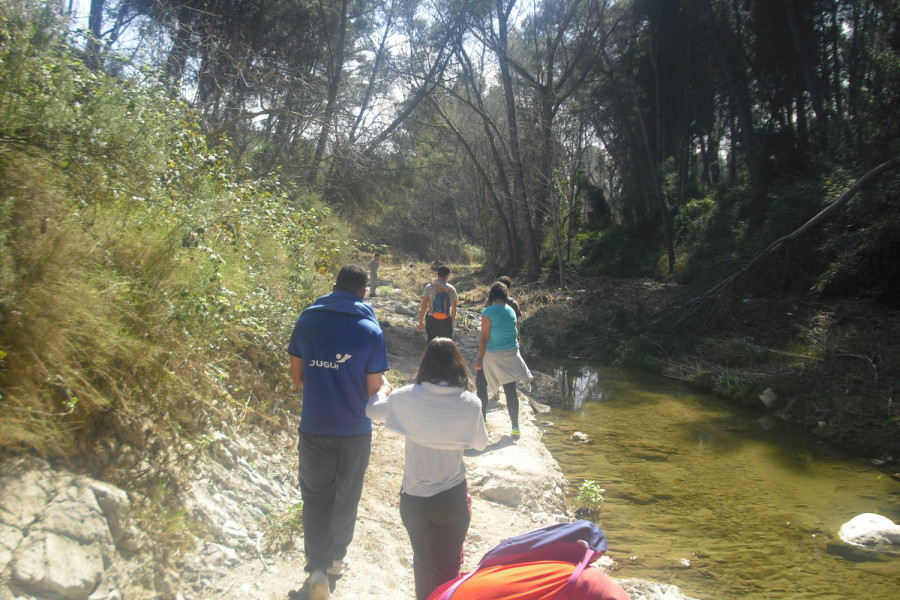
point(439, 423)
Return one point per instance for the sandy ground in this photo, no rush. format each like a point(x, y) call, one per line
point(516, 486)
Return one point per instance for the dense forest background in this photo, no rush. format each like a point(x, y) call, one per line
point(641, 136)
point(173, 174)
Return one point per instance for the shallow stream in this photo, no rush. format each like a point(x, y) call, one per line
point(716, 500)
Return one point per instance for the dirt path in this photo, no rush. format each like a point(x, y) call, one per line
point(516, 486)
point(508, 480)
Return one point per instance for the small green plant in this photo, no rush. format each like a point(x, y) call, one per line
point(169, 523)
point(590, 498)
point(283, 528)
point(736, 386)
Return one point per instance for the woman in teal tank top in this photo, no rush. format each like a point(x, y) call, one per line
point(498, 352)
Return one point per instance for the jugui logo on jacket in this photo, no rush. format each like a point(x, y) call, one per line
point(339, 360)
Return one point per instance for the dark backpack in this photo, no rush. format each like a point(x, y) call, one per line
point(579, 542)
point(440, 306)
point(515, 306)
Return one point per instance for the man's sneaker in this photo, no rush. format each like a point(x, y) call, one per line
point(338, 567)
point(318, 586)
point(516, 432)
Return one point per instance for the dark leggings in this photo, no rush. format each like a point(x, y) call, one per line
point(512, 397)
point(437, 527)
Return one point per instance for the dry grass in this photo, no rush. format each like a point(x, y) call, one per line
point(64, 335)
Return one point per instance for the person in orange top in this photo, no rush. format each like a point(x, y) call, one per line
point(539, 580)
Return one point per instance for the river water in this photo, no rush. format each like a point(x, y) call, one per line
point(716, 500)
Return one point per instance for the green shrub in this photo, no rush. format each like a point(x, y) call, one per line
point(861, 245)
point(137, 264)
point(615, 251)
point(639, 352)
point(736, 386)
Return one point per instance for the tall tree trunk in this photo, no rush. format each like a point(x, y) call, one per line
point(95, 26)
point(338, 37)
point(854, 71)
point(501, 190)
point(813, 84)
point(726, 46)
point(178, 53)
point(732, 155)
point(802, 128)
point(506, 223)
point(662, 211)
point(705, 169)
point(380, 55)
point(836, 83)
point(557, 234)
point(532, 252)
point(546, 188)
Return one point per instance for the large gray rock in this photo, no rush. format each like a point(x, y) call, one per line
point(25, 483)
point(117, 509)
point(75, 513)
point(232, 497)
point(10, 538)
point(48, 565)
point(546, 389)
point(511, 495)
point(60, 533)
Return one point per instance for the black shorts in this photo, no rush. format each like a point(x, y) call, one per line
point(438, 327)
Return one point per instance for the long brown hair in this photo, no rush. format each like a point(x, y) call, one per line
point(442, 363)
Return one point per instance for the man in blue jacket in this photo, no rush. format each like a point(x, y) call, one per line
point(338, 356)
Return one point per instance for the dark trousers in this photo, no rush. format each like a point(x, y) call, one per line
point(481, 390)
point(437, 527)
point(512, 397)
point(332, 469)
point(438, 327)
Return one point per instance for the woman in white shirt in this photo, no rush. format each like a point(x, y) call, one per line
point(440, 418)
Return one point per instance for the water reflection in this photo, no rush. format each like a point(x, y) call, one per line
point(582, 384)
point(721, 502)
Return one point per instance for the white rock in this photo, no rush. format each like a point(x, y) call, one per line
point(873, 532)
point(504, 494)
point(581, 438)
point(768, 397)
point(639, 589)
point(10, 538)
